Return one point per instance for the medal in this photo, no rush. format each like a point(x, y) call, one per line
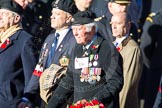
point(85, 71)
point(61, 46)
point(91, 71)
point(96, 57)
point(98, 78)
point(45, 52)
point(94, 77)
point(60, 49)
point(97, 71)
point(90, 64)
point(92, 81)
point(44, 46)
point(91, 57)
point(95, 63)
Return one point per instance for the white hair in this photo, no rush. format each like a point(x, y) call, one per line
point(90, 25)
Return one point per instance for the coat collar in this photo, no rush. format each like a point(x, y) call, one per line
point(10, 40)
point(123, 44)
point(93, 49)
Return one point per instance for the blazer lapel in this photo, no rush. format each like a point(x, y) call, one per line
point(48, 47)
point(95, 45)
point(123, 44)
point(62, 48)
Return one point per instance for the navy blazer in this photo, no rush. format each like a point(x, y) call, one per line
point(64, 49)
point(17, 62)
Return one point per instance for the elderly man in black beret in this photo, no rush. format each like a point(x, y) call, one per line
point(95, 70)
point(17, 56)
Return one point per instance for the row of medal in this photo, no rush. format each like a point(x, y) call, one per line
point(91, 74)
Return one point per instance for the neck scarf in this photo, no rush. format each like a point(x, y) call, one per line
point(4, 35)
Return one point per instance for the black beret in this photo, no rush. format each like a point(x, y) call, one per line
point(83, 17)
point(65, 5)
point(9, 5)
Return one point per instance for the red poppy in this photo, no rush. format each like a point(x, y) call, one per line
point(3, 46)
point(94, 47)
point(95, 102)
point(118, 48)
point(85, 104)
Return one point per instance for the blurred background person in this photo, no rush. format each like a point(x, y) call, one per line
point(151, 47)
point(35, 19)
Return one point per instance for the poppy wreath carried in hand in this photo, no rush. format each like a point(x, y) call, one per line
point(87, 104)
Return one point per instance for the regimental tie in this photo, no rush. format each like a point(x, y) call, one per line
point(52, 50)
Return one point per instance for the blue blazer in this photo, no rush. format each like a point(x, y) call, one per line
point(17, 62)
point(64, 49)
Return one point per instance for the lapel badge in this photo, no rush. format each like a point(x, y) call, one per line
point(60, 49)
point(64, 61)
point(44, 46)
point(61, 46)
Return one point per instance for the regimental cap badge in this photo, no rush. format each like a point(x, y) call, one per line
point(64, 61)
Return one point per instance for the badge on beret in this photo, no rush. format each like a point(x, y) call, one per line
point(64, 61)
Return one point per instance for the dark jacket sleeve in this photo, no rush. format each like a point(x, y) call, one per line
point(28, 56)
point(32, 89)
point(29, 60)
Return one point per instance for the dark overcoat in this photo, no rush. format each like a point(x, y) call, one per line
point(17, 62)
point(106, 90)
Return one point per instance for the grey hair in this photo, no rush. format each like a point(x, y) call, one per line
point(90, 25)
point(16, 14)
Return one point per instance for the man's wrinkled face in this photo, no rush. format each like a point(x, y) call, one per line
point(80, 34)
point(58, 18)
point(6, 19)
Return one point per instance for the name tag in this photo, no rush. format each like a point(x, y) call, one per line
point(81, 62)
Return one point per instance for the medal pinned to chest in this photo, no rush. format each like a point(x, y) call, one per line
point(89, 68)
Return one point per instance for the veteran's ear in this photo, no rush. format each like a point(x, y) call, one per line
point(17, 19)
